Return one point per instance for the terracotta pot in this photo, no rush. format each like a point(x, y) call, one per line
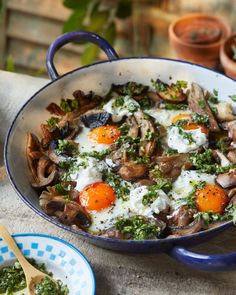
point(198, 37)
point(226, 56)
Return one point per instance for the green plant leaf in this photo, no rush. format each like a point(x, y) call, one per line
point(75, 21)
point(124, 9)
point(110, 33)
point(89, 54)
point(98, 19)
point(75, 4)
point(10, 66)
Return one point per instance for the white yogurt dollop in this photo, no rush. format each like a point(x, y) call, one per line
point(161, 203)
point(118, 112)
point(90, 173)
point(178, 142)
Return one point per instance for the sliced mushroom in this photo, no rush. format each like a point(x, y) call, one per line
point(197, 103)
point(224, 112)
point(50, 203)
point(130, 171)
point(191, 228)
point(114, 233)
point(74, 214)
point(171, 92)
point(44, 177)
point(133, 127)
point(231, 127)
point(232, 192)
point(182, 217)
point(131, 88)
point(33, 153)
point(145, 181)
point(171, 166)
point(68, 212)
point(86, 101)
point(154, 97)
point(146, 127)
point(95, 118)
point(232, 156)
point(227, 180)
point(220, 157)
point(54, 109)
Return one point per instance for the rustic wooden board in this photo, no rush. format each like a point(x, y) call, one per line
point(35, 29)
point(33, 56)
point(52, 9)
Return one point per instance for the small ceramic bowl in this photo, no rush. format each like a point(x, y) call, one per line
point(61, 258)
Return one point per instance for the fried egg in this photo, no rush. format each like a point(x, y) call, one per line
point(97, 139)
point(184, 185)
point(100, 200)
point(178, 138)
point(165, 117)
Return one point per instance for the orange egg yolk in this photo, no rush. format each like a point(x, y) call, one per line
point(180, 117)
point(104, 134)
point(196, 126)
point(97, 196)
point(211, 198)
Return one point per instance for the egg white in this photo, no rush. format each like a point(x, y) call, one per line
point(86, 144)
point(164, 117)
point(177, 141)
point(105, 219)
point(184, 185)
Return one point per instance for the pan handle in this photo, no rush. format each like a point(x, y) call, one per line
point(217, 262)
point(72, 37)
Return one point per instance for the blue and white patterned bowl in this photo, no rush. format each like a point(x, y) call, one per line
point(61, 258)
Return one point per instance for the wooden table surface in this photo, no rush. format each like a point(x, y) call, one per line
point(115, 273)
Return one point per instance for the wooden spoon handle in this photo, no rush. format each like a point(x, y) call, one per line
point(4, 233)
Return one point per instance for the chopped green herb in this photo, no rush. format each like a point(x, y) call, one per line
point(202, 104)
point(124, 128)
point(205, 163)
point(215, 92)
point(65, 146)
point(12, 279)
point(120, 187)
point(138, 227)
point(181, 84)
point(149, 135)
point(221, 145)
point(69, 105)
point(151, 196)
point(190, 199)
point(233, 97)
point(62, 189)
point(181, 123)
point(52, 122)
point(214, 109)
point(169, 152)
point(48, 287)
point(145, 103)
point(200, 119)
point(141, 160)
point(119, 102)
point(175, 106)
point(213, 99)
point(158, 85)
point(95, 154)
point(186, 135)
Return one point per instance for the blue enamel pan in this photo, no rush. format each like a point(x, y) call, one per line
point(98, 77)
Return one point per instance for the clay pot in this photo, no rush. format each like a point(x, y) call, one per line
point(198, 37)
point(226, 56)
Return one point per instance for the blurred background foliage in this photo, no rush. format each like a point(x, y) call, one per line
point(96, 16)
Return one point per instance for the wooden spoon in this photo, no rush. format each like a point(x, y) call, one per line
point(32, 275)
